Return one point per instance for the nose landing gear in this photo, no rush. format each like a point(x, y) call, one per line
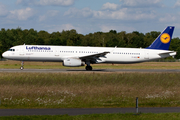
point(22, 64)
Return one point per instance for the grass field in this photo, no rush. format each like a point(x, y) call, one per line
point(58, 65)
point(128, 116)
point(88, 90)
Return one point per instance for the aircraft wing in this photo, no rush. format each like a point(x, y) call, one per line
point(93, 56)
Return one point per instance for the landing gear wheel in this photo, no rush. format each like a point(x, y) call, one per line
point(22, 64)
point(21, 67)
point(89, 68)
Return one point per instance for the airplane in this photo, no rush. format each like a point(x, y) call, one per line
point(75, 56)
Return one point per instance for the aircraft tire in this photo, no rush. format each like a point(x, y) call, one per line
point(21, 67)
point(88, 68)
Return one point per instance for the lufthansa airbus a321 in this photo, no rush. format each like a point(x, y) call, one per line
point(72, 56)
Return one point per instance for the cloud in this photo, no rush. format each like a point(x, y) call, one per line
point(21, 14)
point(56, 2)
point(110, 6)
point(168, 18)
point(67, 27)
point(120, 14)
point(26, 2)
point(177, 4)
point(46, 2)
point(74, 12)
point(141, 3)
point(48, 14)
point(19, 1)
point(3, 10)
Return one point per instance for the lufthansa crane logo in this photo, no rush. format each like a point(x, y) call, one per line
point(165, 38)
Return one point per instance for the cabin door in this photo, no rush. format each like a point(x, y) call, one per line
point(146, 56)
point(57, 52)
point(22, 50)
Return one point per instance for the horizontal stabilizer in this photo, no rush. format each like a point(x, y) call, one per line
point(168, 52)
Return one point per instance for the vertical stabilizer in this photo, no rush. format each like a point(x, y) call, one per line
point(162, 42)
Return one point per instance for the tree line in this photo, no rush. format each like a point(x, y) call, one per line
point(12, 37)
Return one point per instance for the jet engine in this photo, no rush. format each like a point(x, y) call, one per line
point(73, 62)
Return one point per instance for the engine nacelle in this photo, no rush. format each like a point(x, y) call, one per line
point(73, 62)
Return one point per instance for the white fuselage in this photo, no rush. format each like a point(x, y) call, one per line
point(59, 53)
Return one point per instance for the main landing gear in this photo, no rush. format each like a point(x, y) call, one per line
point(22, 64)
point(88, 68)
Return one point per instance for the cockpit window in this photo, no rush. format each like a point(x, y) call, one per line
point(11, 50)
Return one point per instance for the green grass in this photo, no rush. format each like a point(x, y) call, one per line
point(118, 116)
point(88, 90)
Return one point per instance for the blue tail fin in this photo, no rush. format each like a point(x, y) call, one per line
point(162, 42)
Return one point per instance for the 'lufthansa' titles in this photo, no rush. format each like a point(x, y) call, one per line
point(37, 48)
point(165, 38)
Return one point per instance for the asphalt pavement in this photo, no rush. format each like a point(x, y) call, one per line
point(82, 111)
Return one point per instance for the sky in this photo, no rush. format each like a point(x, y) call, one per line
point(89, 16)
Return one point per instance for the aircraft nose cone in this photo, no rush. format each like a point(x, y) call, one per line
point(4, 54)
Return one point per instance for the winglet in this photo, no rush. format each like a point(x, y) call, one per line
point(162, 42)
